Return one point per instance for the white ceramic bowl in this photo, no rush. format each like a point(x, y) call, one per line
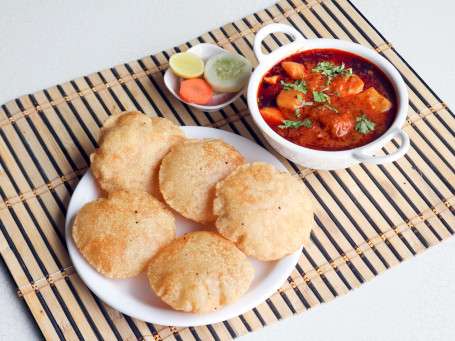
point(317, 159)
point(219, 100)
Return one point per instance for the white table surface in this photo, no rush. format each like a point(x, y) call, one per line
point(43, 43)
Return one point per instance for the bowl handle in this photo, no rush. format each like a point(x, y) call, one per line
point(269, 29)
point(363, 156)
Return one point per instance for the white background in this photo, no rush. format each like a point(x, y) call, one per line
point(43, 43)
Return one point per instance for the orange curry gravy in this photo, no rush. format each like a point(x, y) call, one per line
point(332, 124)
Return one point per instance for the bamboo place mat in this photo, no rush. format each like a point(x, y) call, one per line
point(368, 218)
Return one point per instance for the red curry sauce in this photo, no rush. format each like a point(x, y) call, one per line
point(332, 123)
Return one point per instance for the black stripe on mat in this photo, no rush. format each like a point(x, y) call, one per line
point(316, 267)
point(350, 218)
point(299, 293)
point(423, 197)
point(364, 213)
point(84, 309)
point(42, 266)
point(213, 332)
point(341, 228)
point(35, 222)
point(435, 131)
point(12, 283)
point(146, 94)
point(97, 95)
point(259, 316)
point(87, 105)
point(195, 334)
point(54, 136)
point(245, 323)
point(340, 251)
point(309, 283)
point(339, 23)
point(68, 129)
point(378, 208)
point(411, 203)
point(21, 167)
point(429, 183)
point(229, 329)
point(106, 316)
point(112, 93)
point(329, 260)
point(273, 309)
point(286, 300)
point(305, 20)
point(78, 117)
point(133, 327)
point(54, 323)
point(36, 163)
point(321, 21)
point(153, 330)
point(125, 88)
point(21, 262)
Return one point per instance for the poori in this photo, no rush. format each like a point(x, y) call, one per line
point(189, 173)
point(200, 272)
point(119, 235)
point(131, 147)
point(266, 212)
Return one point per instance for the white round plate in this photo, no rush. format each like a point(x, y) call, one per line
point(134, 297)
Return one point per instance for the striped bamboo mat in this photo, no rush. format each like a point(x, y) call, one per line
point(368, 218)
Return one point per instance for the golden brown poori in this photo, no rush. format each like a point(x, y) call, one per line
point(189, 173)
point(265, 211)
point(200, 272)
point(119, 235)
point(131, 147)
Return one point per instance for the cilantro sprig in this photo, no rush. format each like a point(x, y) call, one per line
point(364, 126)
point(331, 108)
point(295, 124)
point(331, 70)
point(320, 97)
point(299, 85)
point(302, 101)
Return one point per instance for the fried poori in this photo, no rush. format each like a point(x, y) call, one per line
point(131, 147)
point(200, 272)
point(189, 173)
point(118, 236)
point(266, 212)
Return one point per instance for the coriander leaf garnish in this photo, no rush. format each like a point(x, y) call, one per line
point(297, 112)
point(364, 126)
point(331, 70)
point(302, 101)
point(299, 85)
point(295, 124)
point(333, 109)
point(338, 93)
point(320, 97)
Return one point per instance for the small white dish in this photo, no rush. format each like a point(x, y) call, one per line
point(134, 297)
point(219, 100)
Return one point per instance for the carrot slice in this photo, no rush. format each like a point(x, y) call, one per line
point(272, 115)
point(196, 91)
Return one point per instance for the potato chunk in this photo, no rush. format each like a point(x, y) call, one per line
point(374, 100)
point(288, 102)
point(347, 85)
point(294, 70)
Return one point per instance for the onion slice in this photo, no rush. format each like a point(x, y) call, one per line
point(227, 72)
